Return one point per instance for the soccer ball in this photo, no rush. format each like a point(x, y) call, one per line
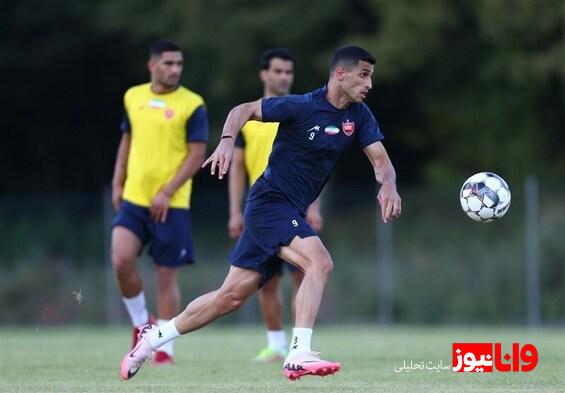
point(485, 197)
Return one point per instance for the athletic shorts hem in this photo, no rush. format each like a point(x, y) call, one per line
point(132, 229)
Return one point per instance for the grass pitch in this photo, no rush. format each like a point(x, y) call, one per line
point(217, 359)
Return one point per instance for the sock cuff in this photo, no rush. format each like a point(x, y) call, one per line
point(137, 298)
point(137, 309)
point(163, 334)
point(174, 327)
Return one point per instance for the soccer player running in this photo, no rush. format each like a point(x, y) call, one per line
point(315, 129)
point(163, 145)
point(250, 156)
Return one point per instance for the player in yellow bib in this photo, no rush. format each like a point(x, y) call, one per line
point(251, 155)
point(164, 135)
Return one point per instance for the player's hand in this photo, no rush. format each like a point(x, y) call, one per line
point(117, 192)
point(390, 202)
point(160, 206)
point(221, 157)
point(314, 218)
point(235, 225)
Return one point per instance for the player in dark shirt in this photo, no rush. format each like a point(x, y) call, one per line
point(315, 130)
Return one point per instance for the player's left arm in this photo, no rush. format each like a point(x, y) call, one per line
point(197, 136)
point(385, 174)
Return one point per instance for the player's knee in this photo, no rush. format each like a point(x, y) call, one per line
point(236, 303)
point(323, 265)
point(327, 265)
point(229, 301)
point(122, 264)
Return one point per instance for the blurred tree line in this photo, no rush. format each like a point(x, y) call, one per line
point(459, 85)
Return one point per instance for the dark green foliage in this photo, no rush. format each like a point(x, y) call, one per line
point(460, 86)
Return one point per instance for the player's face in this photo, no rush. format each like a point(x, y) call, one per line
point(278, 78)
point(166, 69)
point(356, 81)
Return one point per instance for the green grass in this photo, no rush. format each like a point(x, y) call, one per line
point(216, 359)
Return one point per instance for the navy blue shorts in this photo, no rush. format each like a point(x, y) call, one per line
point(271, 221)
point(170, 243)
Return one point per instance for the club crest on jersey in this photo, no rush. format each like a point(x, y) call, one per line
point(348, 127)
point(169, 113)
point(331, 130)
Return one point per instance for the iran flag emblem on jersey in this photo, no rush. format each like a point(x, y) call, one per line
point(348, 127)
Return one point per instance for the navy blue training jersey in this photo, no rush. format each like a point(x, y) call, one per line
point(312, 136)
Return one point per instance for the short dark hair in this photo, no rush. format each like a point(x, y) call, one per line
point(276, 53)
point(350, 55)
point(163, 45)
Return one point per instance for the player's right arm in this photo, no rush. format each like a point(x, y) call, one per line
point(120, 170)
point(272, 109)
point(236, 188)
point(238, 116)
point(314, 215)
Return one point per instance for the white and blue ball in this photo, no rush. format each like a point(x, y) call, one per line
point(485, 197)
